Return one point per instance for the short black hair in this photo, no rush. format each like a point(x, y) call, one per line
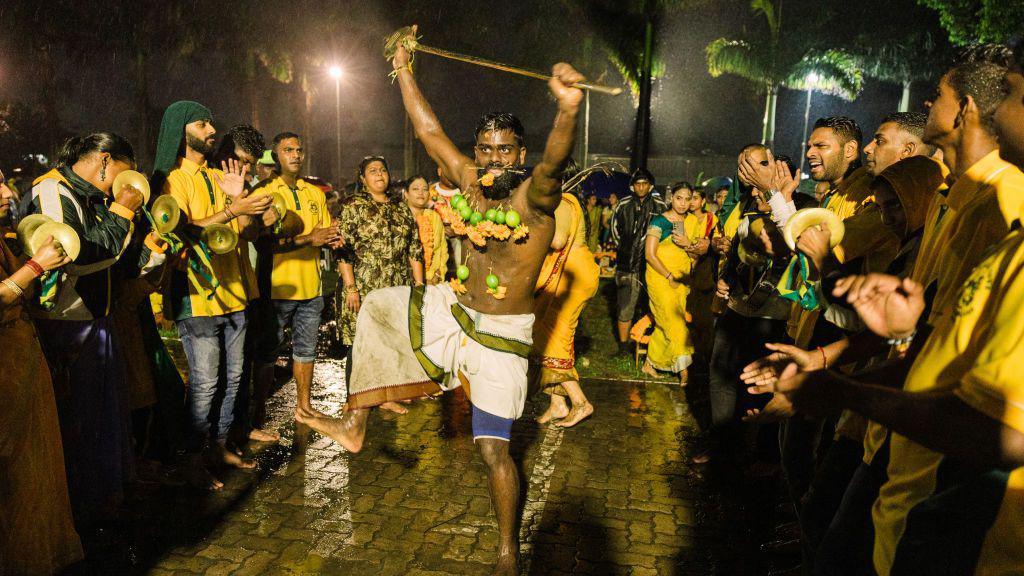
point(680, 184)
point(844, 127)
point(641, 174)
point(912, 122)
point(978, 72)
point(500, 121)
point(78, 146)
point(242, 136)
point(285, 136)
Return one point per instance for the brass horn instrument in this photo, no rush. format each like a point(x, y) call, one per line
point(808, 217)
point(132, 179)
point(220, 238)
point(64, 237)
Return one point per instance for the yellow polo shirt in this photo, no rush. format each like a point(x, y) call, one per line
point(850, 198)
point(295, 275)
point(195, 188)
point(960, 228)
point(937, 514)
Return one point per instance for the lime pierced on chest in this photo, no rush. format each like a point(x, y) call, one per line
point(513, 219)
point(500, 217)
point(465, 211)
point(492, 281)
point(462, 272)
point(475, 218)
point(491, 214)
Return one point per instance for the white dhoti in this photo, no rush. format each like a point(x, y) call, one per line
point(417, 341)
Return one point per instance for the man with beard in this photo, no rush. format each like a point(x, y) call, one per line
point(952, 492)
point(210, 317)
point(411, 342)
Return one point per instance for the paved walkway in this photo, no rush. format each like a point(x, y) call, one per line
point(612, 496)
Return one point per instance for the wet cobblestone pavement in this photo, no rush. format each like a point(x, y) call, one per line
point(614, 495)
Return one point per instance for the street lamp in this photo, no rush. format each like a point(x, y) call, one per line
point(335, 72)
point(812, 80)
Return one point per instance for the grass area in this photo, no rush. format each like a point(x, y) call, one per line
point(597, 349)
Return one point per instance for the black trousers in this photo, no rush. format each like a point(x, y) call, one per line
point(738, 341)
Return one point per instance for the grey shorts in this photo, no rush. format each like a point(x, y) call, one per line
point(628, 291)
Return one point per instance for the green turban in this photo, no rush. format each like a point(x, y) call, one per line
point(172, 130)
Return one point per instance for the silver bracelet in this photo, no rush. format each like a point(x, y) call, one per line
point(13, 287)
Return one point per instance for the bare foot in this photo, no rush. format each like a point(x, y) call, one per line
point(648, 369)
point(394, 407)
point(507, 565)
point(579, 413)
point(348, 431)
point(220, 455)
point(308, 412)
point(197, 476)
point(557, 409)
point(262, 435)
point(683, 377)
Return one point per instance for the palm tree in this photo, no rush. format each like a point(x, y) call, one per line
point(771, 64)
point(627, 32)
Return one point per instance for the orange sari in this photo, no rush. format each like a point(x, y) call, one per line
point(568, 279)
point(37, 533)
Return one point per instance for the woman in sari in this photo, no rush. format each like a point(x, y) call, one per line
point(37, 533)
point(668, 275)
point(431, 229)
point(701, 228)
point(568, 279)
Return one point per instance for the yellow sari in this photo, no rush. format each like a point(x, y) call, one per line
point(568, 279)
point(435, 246)
point(670, 348)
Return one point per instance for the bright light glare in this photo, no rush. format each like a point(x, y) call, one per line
point(335, 72)
point(812, 78)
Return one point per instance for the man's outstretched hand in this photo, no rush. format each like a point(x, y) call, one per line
point(563, 76)
point(402, 56)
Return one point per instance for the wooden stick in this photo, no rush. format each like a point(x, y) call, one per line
point(614, 91)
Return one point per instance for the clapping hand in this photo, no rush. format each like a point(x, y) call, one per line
point(233, 181)
point(889, 306)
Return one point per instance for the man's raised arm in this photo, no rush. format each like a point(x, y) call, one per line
point(425, 123)
point(546, 184)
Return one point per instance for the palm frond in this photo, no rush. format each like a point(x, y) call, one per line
point(739, 58)
point(838, 73)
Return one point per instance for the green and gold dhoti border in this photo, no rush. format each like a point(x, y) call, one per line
point(418, 341)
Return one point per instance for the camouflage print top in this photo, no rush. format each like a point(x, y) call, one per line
point(380, 239)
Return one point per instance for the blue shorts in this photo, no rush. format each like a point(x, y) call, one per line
point(487, 425)
point(304, 318)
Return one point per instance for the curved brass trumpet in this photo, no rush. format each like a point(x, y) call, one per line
point(166, 214)
point(133, 179)
point(808, 217)
point(64, 237)
point(220, 238)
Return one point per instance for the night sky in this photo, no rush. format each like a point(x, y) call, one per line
point(692, 112)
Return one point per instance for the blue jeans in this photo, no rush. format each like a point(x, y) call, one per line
point(304, 318)
point(206, 339)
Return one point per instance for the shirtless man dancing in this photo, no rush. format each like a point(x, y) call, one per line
point(414, 341)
